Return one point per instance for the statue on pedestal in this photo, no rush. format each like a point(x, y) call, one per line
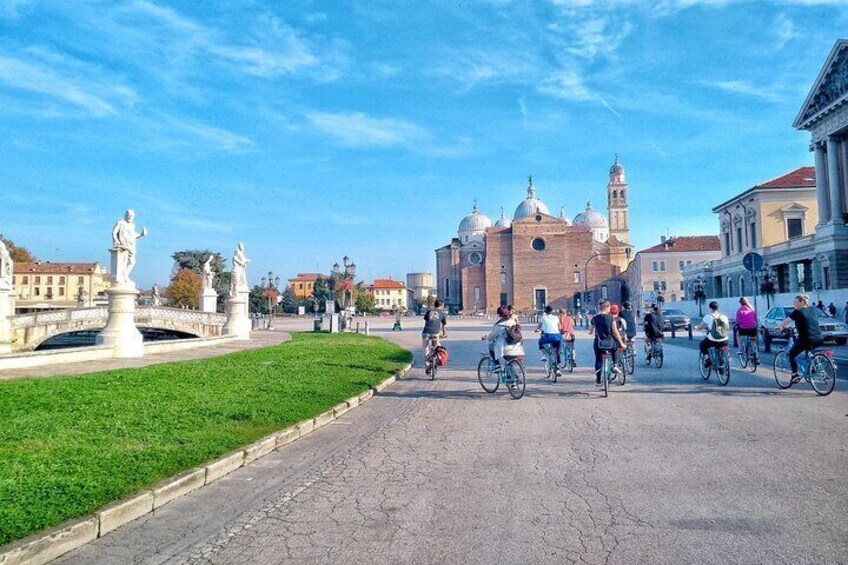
point(240, 262)
point(156, 295)
point(124, 239)
point(208, 274)
point(6, 268)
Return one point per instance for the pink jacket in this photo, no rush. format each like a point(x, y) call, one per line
point(746, 318)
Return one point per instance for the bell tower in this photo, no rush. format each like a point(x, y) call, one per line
point(619, 221)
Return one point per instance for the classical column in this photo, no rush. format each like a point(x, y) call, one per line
point(793, 276)
point(833, 180)
point(821, 185)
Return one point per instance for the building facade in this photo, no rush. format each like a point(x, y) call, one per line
point(303, 284)
point(658, 270)
point(46, 285)
point(389, 294)
point(536, 259)
point(420, 286)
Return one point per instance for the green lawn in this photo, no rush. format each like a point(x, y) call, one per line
point(70, 445)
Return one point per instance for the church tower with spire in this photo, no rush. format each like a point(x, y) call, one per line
point(619, 209)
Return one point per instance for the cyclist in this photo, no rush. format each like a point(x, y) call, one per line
point(566, 327)
point(717, 326)
point(809, 332)
point(497, 338)
point(551, 333)
point(435, 325)
point(607, 338)
point(653, 326)
point(746, 319)
point(627, 315)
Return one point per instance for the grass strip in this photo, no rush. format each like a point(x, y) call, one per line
point(70, 445)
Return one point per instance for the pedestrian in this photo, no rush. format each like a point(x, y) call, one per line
point(832, 310)
point(820, 306)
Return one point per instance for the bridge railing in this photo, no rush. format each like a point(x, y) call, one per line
point(143, 314)
point(147, 313)
point(58, 316)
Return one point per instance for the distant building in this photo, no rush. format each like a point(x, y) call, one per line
point(388, 294)
point(304, 283)
point(776, 219)
point(46, 285)
point(421, 286)
point(658, 270)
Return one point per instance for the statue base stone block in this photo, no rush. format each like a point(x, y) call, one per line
point(120, 330)
point(238, 320)
point(209, 300)
point(6, 310)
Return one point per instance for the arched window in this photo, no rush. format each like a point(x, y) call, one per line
point(742, 290)
point(615, 195)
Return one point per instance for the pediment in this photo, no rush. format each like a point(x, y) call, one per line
point(794, 208)
point(830, 88)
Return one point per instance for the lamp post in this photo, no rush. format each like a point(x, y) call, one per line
point(700, 295)
point(627, 252)
point(271, 284)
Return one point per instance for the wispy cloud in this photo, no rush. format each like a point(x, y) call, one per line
point(355, 129)
point(484, 67)
point(219, 138)
point(744, 88)
point(566, 84)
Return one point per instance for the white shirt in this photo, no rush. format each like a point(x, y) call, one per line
point(550, 324)
point(708, 322)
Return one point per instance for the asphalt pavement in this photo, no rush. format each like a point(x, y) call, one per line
point(668, 469)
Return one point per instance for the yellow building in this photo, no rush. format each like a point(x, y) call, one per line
point(44, 286)
point(388, 294)
point(304, 283)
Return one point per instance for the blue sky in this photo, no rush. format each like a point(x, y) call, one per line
point(310, 130)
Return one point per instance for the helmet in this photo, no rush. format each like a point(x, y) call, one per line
point(614, 310)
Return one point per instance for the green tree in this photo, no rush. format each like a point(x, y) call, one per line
point(18, 254)
point(322, 292)
point(365, 303)
point(290, 301)
point(258, 301)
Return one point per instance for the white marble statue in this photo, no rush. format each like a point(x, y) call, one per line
point(124, 240)
point(240, 262)
point(208, 274)
point(6, 268)
point(156, 295)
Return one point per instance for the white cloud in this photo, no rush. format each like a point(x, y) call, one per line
point(218, 138)
point(784, 30)
point(566, 84)
point(745, 88)
point(478, 67)
point(356, 129)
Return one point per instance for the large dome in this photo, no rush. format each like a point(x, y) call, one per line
point(530, 205)
point(473, 225)
point(590, 218)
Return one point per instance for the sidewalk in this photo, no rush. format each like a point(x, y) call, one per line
point(257, 340)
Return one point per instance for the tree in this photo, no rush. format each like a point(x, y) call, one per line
point(193, 259)
point(258, 300)
point(365, 303)
point(290, 301)
point(322, 292)
point(184, 290)
point(18, 254)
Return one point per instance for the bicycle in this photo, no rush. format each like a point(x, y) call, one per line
point(429, 359)
point(568, 355)
point(550, 362)
point(491, 377)
point(818, 369)
point(654, 352)
point(748, 355)
point(719, 360)
point(606, 372)
point(629, 357)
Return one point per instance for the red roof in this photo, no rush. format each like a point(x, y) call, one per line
point(54, 268)
point(802, 177)
point(688, 243)
point(387, 284)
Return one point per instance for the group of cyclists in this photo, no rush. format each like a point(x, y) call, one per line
point(613, 329)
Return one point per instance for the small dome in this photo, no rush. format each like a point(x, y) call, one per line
point(474, 223)
point(590, 218)
point(530, 205)
point(616, 167)
point(503, 222)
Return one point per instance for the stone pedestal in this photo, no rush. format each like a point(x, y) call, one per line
point(6, 309)
point(332, 323)
point(120, 330)
point(238, 320)
point(118, 263)
point(209, 300)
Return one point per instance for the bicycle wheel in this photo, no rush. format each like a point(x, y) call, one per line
point(822, 374)
point(754, 358)
point(630, 362)
point(570, 364)
point(434, 368)
point(723, 372)
point(555, 360)
point(782, 370)
point(704, 368)
point(743, 356)
point(648, 357)
point(659, 359)
point(517, 383)
point(605, 375)
point(489, 379)
point(546, 366)
point(622, 378)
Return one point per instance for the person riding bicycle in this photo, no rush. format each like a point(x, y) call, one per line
point(499, 342)
point(653, 326)
point(551, 333)
point(746, 319)
point(435, 325)
point(718, 327)
point(806, 321)
point(627, 315)
point(607, 338)
point(566, 327)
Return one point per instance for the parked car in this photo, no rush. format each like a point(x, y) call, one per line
point(673, 317)
point(832, 329)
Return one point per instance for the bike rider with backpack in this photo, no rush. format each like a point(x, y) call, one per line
point(653, 326)
point(627, 315)
point(505, 338)
point(607, 338)
point(551, 330)
point(435, 324)
point(718, 330)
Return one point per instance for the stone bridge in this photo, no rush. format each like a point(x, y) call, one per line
point(31, 330)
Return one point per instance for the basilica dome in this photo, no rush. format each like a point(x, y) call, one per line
point(590, 218)
point(503, 222)
point(616, 167)
point(473, 226)
point(530, 205)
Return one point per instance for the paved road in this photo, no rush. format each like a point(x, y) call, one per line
point(666, 470)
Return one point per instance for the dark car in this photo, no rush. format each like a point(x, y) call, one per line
point(675, 318)
point(832, 329)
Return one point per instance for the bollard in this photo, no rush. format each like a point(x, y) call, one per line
point(673, 331)
point(367, 328)
point(357, 327)
point(691, 337)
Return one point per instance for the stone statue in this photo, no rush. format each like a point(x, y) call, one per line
point(82, 297)
point(6, 268)
point(156, 295)
point(208, 274)
point(124, 240)
point(240, 262)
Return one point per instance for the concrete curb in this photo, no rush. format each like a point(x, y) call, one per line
point(46, 546)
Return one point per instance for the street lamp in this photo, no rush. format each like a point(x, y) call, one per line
point(627, 252)
point(271, 285)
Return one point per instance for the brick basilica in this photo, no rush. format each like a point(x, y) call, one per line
point(537, 259)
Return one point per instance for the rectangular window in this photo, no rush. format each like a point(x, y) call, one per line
point(794, 227)
point(739, 245)
point(81, 281)
point(727, 243)
point(654, 267)
point(61, 291)
point(681, 264)
point(37, 280)
point(826, 278)
point(753, 234)
point(682, 287)
point(662, 266)
point(476, 293)
point(25, 280)
point(49, 280)
point(61, 280)
point(49, 292)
